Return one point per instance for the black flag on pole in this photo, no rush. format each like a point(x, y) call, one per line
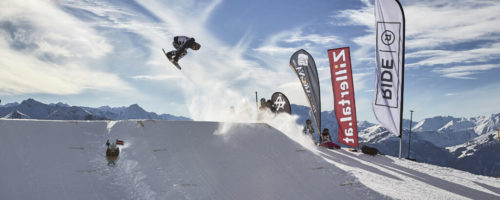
point(304, 66)
point(281, 103)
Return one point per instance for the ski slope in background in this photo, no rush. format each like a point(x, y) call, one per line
point(208, 160)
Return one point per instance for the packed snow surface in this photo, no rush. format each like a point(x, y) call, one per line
point(208, 160)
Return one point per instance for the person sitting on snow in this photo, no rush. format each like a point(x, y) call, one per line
point(326, 140)
point(325, 136)
point(112, 153)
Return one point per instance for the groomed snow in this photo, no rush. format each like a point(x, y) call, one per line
point(208, 160)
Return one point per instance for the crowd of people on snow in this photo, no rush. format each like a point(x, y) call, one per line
point(325, 139)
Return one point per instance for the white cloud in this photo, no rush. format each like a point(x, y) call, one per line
point(366, 50)
point(356, 17)
point(286, 42)
point(361, 81)
point(464, 72)
point(314, 38)
point(431, 24)
point(440, 57)
point(160, 77)
point(360, 17)
point(27, 75)
point(218, 75)
point(471, 103)
point(274, 50)
point(214, 78)
point(50, 31)
point(273, 45)
point(45, 50)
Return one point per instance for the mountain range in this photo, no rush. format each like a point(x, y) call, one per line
point(469, 144)
point(32, 109)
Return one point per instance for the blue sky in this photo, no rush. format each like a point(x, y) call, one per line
point(96, 53)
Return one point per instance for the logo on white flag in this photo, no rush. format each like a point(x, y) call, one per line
point(387, 37)
point(388, 47)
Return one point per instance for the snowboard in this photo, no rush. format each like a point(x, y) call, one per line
point(171, 60)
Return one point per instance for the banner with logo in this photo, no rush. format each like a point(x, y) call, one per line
point(304, 66)
point(343, 95)
point(388, 98)
point(281, 103)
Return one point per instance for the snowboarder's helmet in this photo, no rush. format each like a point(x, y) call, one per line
point(308, 121)
point(195, 46)
point(326, 132)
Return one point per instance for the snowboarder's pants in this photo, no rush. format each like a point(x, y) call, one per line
point(177, 55)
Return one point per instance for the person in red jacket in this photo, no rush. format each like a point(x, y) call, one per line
point(326, 140)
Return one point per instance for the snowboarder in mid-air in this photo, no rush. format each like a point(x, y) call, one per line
point(181, 44)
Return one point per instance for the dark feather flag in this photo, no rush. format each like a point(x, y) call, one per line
point(304, 66)
point(281, 103)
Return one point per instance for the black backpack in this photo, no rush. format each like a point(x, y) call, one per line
point(369, 150)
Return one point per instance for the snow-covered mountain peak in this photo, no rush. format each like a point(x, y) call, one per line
point(470, 148)
point(375, 134)
point(16, 115)
point(432, 124)
point(60, 104)
point(364, 124)
point(461, 124)
point(487, 124)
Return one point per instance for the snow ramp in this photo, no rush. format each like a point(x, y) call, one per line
point(193, 160)
point(161, 160)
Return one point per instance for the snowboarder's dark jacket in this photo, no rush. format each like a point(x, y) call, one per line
point(181, 43)
point(308, 129)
